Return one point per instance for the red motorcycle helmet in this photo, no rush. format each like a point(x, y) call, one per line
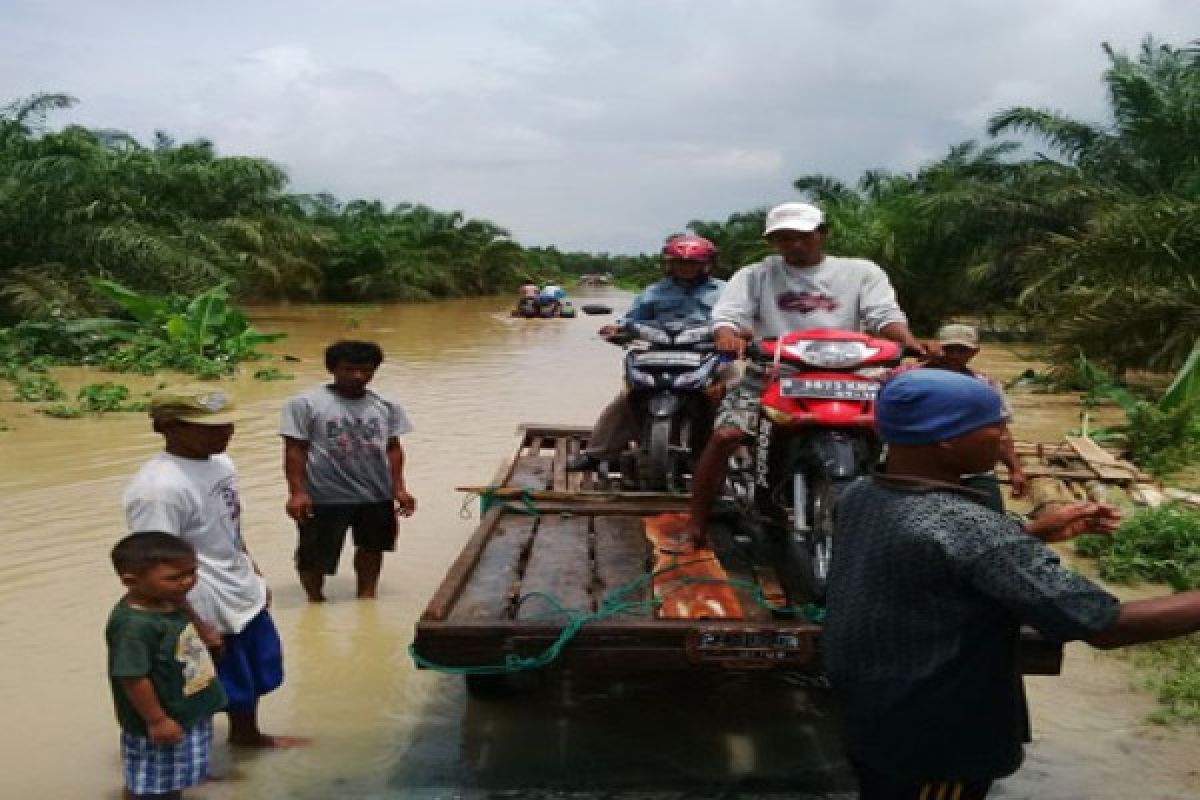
point(690, 248)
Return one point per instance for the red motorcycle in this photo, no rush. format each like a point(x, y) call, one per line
point(815, 435)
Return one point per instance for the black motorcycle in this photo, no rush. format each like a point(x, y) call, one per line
point(668, 369)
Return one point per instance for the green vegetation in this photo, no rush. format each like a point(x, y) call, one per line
point(1161, 436)
point(37, 388)
point(1174, 676)
point(203, 335)
point(96, 398)
point(79, 204)
point(1161, 545)
point(1158, 544)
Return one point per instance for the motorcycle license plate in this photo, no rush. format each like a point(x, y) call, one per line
point(823, 389)
point(669, 359)
point(749, 648)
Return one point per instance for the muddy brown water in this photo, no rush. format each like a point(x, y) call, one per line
point(467, 374)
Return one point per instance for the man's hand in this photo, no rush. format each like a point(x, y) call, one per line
point(300, 506)
point(212, 639)
point(406, 504)
point(608, 331)
point(1066, 522)
point(729, 341)
point(1017, 482)
point(927, 352)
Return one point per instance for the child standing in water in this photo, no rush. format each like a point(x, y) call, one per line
point(163, 681)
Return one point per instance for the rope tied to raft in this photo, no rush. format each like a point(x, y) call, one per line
point(612, 604)
point(489, 498)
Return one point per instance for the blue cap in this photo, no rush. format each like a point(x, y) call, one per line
point(923, 406)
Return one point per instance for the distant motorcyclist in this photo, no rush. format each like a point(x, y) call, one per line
point(688, 293)
point(550, 300)
point(799, 288)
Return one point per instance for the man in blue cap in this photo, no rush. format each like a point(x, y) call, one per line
point(929, 587)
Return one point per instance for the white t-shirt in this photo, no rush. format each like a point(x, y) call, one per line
point(197, 500)
point(772, 298)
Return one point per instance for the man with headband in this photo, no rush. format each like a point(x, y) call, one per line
point(928, 590)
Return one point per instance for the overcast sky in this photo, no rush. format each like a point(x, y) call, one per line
point(597, 124)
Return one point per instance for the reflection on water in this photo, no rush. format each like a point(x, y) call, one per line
point(467, 374)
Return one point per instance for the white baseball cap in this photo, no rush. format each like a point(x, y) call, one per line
point(793, 217)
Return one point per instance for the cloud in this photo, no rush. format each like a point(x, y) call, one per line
point(596, 124)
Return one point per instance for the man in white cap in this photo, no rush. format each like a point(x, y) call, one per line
point(800, 287)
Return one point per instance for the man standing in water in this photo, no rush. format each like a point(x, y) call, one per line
point(345, 470)
point(799, 288)
point(190, 490)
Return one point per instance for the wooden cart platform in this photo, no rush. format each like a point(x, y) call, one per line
point(586, 542)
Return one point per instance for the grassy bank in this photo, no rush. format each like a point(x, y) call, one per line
point(1160, 545)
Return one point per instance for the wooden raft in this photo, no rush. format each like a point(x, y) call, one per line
point(1080, 469)
point(586, 541)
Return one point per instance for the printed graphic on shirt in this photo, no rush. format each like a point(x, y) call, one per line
point(226, 489)
point(805, 302)
point(354, 439)
point(198, 669)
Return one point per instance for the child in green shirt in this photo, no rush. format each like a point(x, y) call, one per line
point(164, 685)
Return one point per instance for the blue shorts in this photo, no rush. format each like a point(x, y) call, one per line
point(161, 768)
point(252, 664)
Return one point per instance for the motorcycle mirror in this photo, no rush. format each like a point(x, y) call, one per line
point(595, 309)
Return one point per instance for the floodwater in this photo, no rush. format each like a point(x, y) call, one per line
point(467, 374)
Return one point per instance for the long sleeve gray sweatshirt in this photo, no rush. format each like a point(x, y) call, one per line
point(771, 298)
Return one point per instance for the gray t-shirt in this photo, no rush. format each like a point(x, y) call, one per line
point(347, 443)
point(772, 298)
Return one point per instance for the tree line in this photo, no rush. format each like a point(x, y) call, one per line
point(1090, 242)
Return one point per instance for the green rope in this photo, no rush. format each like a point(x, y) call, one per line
point(612, 605)
point(488, 499)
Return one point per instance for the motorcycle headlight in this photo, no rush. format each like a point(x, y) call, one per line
point(695, 335)
point(640, 377)
point(651, 334)
point(691, 377)
point(820, 353)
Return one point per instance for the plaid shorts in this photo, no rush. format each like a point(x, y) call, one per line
point(157, 769)
point(742, 404)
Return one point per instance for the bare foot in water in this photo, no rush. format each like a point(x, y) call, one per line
point(267, 742)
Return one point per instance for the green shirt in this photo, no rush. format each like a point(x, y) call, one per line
point(163, 646)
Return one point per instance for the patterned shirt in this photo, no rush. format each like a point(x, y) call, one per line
point(927, 592)
point(671, 301)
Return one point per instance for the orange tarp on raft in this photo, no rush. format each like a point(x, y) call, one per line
point(709, 598)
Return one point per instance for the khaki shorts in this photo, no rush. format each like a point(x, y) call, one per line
point(742, 404)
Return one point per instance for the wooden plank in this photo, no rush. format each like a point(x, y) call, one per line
point(1147, 494)
point(1107, 466)
point(560, 464)
point(559, 566)
point(1191, 498)
point(456, 578)
point(491, 587)
point(574, 479)
point(531, 472)
point(622, 556)
point(650, 500)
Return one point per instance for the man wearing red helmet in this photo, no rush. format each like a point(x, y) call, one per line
point(687, 293)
